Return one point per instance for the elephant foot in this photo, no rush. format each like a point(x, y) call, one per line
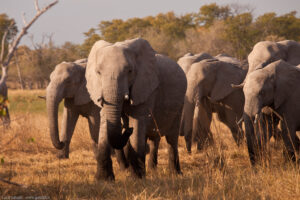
point(103, 175)
point(62, 155)
point(175, 171)
point(137, 167)
point(137, 173)
point(189, 148)
point(105, 170)
point(121, 159)
point(152, 165)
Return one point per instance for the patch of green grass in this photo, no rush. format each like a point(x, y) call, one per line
point(27, 101)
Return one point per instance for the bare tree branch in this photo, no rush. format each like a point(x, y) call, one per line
point(3, 46)
point(36, 4)
point(24, 19)
point(24, 31)
point(3, 42)
point(19, 71)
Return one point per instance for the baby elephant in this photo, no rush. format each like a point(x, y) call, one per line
point(67, 82)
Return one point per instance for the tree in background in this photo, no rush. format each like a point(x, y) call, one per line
point(6, 56)
point(208, 14)
point(230, 29)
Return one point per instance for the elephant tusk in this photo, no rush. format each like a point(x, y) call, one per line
point(256, 118)
point(126, 97)
point(238, 86)
point(131, 102)
point(240, 121)
point(101, 102)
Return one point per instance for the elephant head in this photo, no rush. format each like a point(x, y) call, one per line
point(124, 71)
point(188, 59)
point(66, 81)
point(270, 86)
point(211, 79)
point(266, 52)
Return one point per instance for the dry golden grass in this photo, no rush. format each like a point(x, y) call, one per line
point(220, 172)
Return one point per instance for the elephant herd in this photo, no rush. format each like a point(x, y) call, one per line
point(132, 95)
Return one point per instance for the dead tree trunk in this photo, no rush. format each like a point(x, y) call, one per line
point(19, 71)
point(5, 60)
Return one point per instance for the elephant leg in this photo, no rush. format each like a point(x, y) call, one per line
point(136, 147)
point(154, 144)
point(103, 155)
point(236, 130)
point(69, 120)
point(94, 126)
point(188, 141)
point(174, 165)
point(121, 159)
point(289, 139)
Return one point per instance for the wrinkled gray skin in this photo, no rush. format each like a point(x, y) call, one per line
point(188, 59)
point(209, 90)
point(67, 82)
point(266, 52)
point(275, 86)
point(229, 59)
point(3, 93)
point(128, 77)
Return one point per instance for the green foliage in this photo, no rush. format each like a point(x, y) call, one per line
point(7, 24)
point(211, 12)
point(285, 26)
point(214, 29)
point(30, 140)
point(91, 38)
point(3, 106)
point(2, 160)
point(241, 34)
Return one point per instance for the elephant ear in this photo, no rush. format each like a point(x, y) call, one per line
point(82, 96)
point(146, 80)
point(226, 75)
point(292, 51)
point(286, 78)
point(93, 84)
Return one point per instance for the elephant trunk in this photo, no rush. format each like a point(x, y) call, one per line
point(52, 100)
point(252, 111)
point(113, 105)
point(187, 117)
point(250, 136)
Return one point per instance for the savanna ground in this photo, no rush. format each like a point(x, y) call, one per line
point(221, 172)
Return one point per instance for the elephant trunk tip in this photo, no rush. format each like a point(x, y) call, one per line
point(122, 141)
point(59, 145)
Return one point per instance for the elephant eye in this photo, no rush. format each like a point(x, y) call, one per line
point(98, 73)
point(130, 70)
point(262, 93)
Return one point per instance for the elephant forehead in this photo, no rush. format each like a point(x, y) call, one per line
point(113, 55)
point(65, 70)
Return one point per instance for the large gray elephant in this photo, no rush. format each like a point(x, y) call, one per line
point(128, 77)
point(275, 86)
point(209, 91)
point(266, 52)
point(67, 82)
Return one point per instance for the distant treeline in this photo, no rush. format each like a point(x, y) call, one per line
point(230, 29)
